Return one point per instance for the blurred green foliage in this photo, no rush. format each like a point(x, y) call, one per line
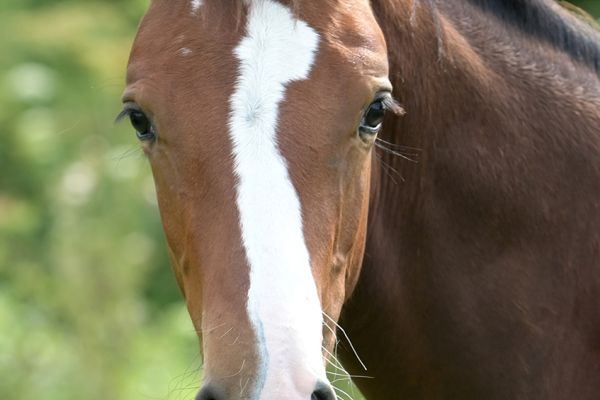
point(591, 6)
point(88, 306)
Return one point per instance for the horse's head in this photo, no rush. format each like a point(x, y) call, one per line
point(258, 118)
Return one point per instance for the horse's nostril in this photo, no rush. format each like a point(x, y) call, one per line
point(210, 393)
point(323, 392)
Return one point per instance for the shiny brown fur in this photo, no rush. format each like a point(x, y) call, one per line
point(481, 276)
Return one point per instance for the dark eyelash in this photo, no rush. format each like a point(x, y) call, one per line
point(391, 104)
point(128, 108)
point(126, 112)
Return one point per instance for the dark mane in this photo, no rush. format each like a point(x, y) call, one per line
point(542, 20)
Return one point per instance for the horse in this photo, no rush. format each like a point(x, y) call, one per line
point(447, 236)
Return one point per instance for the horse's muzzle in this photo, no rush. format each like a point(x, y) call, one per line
point(211, 392)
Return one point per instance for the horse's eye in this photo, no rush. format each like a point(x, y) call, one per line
point(373, 118)
point(142, 125)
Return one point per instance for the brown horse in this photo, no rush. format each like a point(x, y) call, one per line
point(479, 263)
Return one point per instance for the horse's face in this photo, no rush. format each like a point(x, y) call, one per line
point(258, 123)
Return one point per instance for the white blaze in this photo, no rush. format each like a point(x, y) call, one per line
point(283, 303)
point(196, 4)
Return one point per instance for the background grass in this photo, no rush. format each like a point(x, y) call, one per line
point(88, 306)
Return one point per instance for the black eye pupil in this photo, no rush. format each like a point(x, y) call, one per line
point(374, 115)
point(140, 122)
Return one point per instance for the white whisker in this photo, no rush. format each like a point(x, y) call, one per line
point(337, 389)
point(239, 372)
point(352, 376)
point(348, 339)
point(226, 333)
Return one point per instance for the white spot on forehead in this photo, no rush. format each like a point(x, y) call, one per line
point(196, 4)
point(283, 302)
point(184, 51)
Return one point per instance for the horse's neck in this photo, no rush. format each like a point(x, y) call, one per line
point(495, 135)
point(472, 88)
point(498, 123)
